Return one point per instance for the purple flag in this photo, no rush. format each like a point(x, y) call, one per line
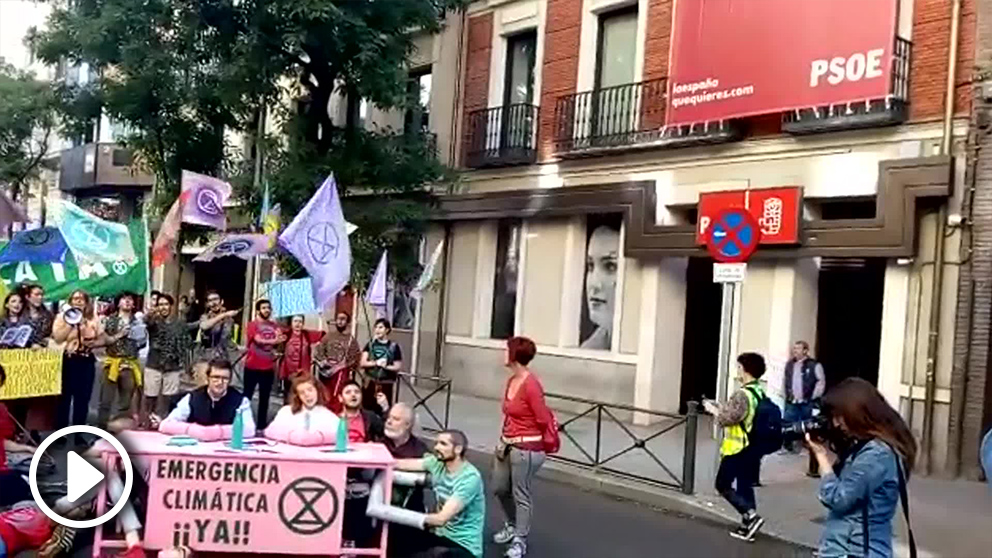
point(244, 246)
point(377, 290)
point(318, 238)
point(207, 197)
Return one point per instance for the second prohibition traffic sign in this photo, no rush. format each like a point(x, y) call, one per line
point(733, 236)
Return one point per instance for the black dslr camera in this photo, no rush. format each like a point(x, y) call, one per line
point(816, 427)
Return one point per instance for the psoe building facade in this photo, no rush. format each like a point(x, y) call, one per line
point(599, 139)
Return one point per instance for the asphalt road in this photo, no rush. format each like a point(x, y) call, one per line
point(572, 523)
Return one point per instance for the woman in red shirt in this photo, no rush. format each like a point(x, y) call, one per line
point(520, 454)
point(296, 359)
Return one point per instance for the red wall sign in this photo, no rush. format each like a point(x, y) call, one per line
point(777, 210)
point(735, 58)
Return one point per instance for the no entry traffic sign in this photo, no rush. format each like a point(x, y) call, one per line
point(733, 236)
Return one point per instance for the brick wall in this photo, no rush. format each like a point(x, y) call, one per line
point(928, 71)
point(479, 49)
point(658, 39)
point(657, 43)
point(560, 67)
point(971, 389)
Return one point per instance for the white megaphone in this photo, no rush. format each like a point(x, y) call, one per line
point(72, 316)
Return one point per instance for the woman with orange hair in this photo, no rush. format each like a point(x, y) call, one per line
point(306, 421)
point(529, 431)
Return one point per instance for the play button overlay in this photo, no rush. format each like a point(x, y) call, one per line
point(82, 475)
point(81, 478)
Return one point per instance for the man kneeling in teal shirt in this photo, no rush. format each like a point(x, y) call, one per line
point(458, 522)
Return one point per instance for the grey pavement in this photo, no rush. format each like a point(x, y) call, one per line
point(951, 518)
point(575, 523)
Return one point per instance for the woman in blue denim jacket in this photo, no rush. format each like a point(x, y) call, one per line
point(872, 443)
point(987, 456)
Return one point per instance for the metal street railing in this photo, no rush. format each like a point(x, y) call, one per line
point(435, 387)
point(584, 431)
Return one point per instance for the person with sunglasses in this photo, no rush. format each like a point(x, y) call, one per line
point(208, 413)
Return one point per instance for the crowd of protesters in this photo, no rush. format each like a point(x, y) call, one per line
point(158, 366)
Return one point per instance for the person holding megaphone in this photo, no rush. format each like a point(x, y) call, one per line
point(78, 332)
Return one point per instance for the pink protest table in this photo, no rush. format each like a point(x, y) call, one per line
point(269, 499)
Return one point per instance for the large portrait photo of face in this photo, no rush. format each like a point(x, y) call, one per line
point(599, 295)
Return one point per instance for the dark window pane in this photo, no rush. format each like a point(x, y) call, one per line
point(505, 286)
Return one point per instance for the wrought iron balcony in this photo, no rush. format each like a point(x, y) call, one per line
point(626, 117)
point(887, 111)
point(502, 136)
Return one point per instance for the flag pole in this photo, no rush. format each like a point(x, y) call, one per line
point(251, 273)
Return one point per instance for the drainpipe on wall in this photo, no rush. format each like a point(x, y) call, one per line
point(453, 152)
point(933, 337)
point(442, 300)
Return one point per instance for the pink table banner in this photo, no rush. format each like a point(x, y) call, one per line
point(269, 499)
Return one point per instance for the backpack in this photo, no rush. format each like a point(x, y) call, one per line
point(550, 438)
point(765, 435)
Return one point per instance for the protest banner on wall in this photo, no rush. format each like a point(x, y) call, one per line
point(213, 504)
point(31, 373)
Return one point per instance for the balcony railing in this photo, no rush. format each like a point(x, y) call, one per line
point(886, 111)
point(502, 136)
point(624, 117)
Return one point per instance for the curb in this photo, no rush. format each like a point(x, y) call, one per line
point(664, 500)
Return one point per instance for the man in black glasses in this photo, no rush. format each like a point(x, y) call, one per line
point(208, 413)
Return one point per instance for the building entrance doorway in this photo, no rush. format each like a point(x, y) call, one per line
point(849, 318)
point(701, 338)
point(226, 276)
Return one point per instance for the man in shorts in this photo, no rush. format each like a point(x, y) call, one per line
point(169, 340)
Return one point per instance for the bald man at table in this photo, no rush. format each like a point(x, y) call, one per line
point(208, 413)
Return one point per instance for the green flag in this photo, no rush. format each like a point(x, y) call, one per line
point(103, 279)
point(90, 238)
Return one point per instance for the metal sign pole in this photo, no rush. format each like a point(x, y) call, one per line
point(724, 363)
point(731, 239)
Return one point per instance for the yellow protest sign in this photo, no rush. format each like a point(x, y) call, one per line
point(31, 373)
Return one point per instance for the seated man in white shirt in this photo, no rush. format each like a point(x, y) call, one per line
point(208, 413)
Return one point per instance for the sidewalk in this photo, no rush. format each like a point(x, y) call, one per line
point(951, 519)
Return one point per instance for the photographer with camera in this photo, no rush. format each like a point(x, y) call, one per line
point(805, 383)
point(740, 458)
point(862, 485)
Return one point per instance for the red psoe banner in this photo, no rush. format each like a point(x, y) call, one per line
point(778, 212)
point(736, 58)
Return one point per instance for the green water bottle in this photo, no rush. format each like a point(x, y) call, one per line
point(342, 442)
point(238, 431)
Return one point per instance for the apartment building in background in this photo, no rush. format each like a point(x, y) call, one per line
point(598, 139)
point(94, 170)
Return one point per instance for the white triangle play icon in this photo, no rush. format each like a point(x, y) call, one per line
point(81, 477)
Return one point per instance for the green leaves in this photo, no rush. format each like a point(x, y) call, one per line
point(27, 118)
point(189, 79)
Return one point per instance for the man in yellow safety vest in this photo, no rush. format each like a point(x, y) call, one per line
point(738, 461)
